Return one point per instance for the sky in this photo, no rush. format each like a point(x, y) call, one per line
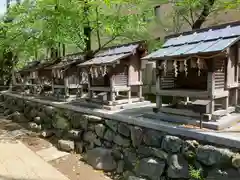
point(2, 6)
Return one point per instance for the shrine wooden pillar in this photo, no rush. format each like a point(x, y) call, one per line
point(158, 86)
point(211, 85)
point(237, 61)
point(66, 86)
point(112, 91)
point(140, 85)
point(90, 93)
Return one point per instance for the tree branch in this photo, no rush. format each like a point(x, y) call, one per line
point(205, 12)
point(104, 45)
point(98, 33)
point(191, 15)
point(186, 19)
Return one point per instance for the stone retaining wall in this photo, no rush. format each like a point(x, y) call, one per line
point(124, 150)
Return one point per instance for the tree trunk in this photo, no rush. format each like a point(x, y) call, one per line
point(87, 27)
point(63, 49)
point(54, 53)
point(204, 14)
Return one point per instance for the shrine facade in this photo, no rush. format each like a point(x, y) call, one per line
point(198, 71)
point(115, 75)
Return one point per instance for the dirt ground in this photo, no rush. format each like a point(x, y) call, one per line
point(70, 165)
point(75, 169)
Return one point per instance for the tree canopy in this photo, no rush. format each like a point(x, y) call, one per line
point(36, 29)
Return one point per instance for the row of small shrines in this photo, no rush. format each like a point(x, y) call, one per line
point(114, 69)
point(200, 65)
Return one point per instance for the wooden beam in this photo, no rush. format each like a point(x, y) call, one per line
point(183, 93)
point(112, 92)
point(140, 86)
point(235, 96)
point(211, 86)
point(158, 88)
point(182, 112)
point(90, 94)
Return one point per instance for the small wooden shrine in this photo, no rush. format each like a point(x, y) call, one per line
point(36, 76)
point(198, 71)
point(25, 78)
point(65, 76)
point(115, 75)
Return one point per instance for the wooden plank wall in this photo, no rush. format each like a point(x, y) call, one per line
point(167, 81)
point(121, 79)
point(73, 79)
point(149, 78)
point(219, 69)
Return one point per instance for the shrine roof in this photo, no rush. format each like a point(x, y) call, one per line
point(30, 66)
point(38, 65)
point(68, 60)
point(207, 40)
point(112, 54)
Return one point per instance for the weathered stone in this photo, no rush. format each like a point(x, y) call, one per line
point(229, 174)
point(152, 138)
point(130, 157)
point(1, 97)
point(191, 145)
point(121, 141)
point(74, 134)
point(236, 161)
point(44, 118)
point(79, 147)
point(101, 159)
point(136, 136)
point(91, 118)
point(177, 167)
point(7, 112)
point(97, 142)
point(37, 120)
point(107, 144)
point(189, 148)
point(113, 125)
point(76, 121)
point(18, 117)
point(34, 126)
point(150, 167)
point(120, 166)
point(89, 136)
point(116, 152)
point(27, 111)
point(144, 151)
point(210, 155)
point(84, 124)
point(109, 135)
point(127, 174)
point(33, 113)
point(47, 133)
point(60, 122)
point(66, 145)
point(50, 111)
point(59, 133)
point(123, 129)
point(100, 130)
point(91, 127)
point(172, 144)
point(89, 146)
point(18, 133)
point(156, 152)
point(135, 178)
